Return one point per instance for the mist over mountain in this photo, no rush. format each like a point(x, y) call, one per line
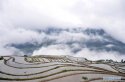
point(72, 41)
point(93, 29)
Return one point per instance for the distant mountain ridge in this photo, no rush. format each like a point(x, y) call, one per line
point(93, 39)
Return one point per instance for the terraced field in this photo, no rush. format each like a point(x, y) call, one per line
point(59, 69)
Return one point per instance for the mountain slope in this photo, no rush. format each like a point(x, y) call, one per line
point(75, 38)
point(46, 68)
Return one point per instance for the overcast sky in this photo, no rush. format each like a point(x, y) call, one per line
point(27, 14)
point(19, 17)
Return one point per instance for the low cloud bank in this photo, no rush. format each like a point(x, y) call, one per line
point(56, 41)
point(86, 53)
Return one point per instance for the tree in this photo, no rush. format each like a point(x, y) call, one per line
point(1, 57)
point(25, 56)
point(122, 61)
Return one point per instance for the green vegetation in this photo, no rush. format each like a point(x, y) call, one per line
point(85, 78)
point(100, 61)
point(1, 58)
point(122, 61)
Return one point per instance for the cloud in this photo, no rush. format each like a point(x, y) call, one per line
point(84, 52)
point(5, 51)
point(29, 13)
point(18, 36)
point(94, 55)
point(62, 12)
point(39, 14)
point(20, 20)
point(53, 50)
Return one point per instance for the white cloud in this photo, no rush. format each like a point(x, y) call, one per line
point(53, 50)
point(85, 13)
point(86, 53)
point(19, 19)
point(10, 51)
point(18, 36)
point(95, 55)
